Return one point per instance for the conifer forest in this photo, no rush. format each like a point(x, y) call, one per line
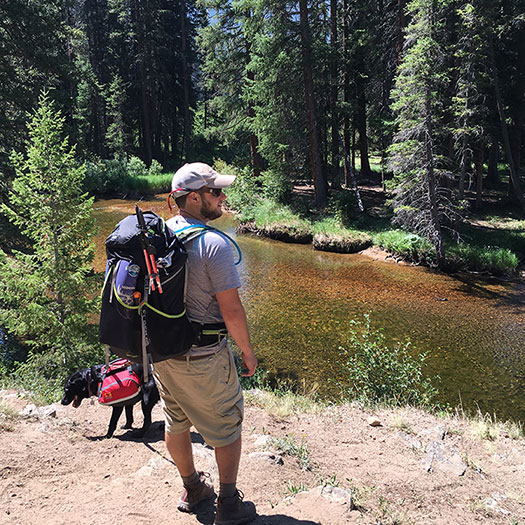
point(433, 90)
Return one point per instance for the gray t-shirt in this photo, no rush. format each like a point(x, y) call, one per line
point(211, 269)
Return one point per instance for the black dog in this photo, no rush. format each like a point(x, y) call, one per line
point(84, 383)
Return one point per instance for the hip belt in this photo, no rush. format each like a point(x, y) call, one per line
point(209, 334)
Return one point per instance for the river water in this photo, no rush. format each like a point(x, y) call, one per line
point(299, 303)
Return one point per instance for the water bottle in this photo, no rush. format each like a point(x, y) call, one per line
point(126, 281)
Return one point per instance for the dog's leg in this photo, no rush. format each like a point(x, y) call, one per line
point(115, 415)
point(129, 417)
point(146, 411)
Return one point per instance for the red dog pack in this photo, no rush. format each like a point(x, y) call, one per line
point(120, 385)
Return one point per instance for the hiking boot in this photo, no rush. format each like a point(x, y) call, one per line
point(234, 511)
point(193, 495)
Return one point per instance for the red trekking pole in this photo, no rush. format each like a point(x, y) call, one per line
point(149, 251)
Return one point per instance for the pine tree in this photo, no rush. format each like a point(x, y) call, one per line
point(468, 104)
point(421, 202)
point(47, 294)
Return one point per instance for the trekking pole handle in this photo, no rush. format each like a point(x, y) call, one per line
point(146, 247)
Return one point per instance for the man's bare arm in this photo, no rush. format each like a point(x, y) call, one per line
point(234, 316)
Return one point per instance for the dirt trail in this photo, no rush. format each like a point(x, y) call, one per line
point(57, 470)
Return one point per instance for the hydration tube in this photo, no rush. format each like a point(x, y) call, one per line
point(211, 228)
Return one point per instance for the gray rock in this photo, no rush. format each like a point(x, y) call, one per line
point(38, 412)
point(438, 433)
point(49, 411)
point(274, 459)
point(337, 495)
point(444, 457)
point(410, 440)
point(28, 410)
point(202, 451)
point(493, 503)
point(154, 465)
point(262, 441)
point(373, 421)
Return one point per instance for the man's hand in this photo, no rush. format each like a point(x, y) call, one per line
point(249, 364)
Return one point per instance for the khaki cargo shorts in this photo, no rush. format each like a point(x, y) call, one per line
point(204, 393)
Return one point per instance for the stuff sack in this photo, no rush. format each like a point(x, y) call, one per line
point(126, 295)
point(120, 385)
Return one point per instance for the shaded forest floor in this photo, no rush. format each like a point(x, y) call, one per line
point(498, 223)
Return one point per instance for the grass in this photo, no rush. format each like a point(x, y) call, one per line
point(8, 416)
point(331, 235)
point(276, 221)
point(487, 427)
point(288, 445)
point(497, 248)
point(294, 489)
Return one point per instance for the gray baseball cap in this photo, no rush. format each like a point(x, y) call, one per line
point(196, 175)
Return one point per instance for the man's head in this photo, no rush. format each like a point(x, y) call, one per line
point(197, 189)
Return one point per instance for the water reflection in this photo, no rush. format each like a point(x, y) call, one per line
point(299, 302)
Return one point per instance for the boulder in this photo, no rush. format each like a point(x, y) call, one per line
point(444, 457)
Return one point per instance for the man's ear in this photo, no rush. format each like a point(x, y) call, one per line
point(195, 197)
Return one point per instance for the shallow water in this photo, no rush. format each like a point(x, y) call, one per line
point(299, 303)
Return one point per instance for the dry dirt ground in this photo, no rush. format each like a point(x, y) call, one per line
point(58, 470)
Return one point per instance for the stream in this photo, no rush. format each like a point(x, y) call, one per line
point(299, 303)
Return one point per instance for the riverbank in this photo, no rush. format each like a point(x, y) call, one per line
point(329, 465)
point(487, 249)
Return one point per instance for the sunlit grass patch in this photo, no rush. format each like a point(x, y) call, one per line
point(488, 258)
point(405, 244)
point(277, 221)
point(331, 236)
point(283, 404)
point(8, 416)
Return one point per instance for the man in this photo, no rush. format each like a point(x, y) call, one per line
point(201, 388)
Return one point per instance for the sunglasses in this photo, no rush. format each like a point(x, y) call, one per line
point(216, 192)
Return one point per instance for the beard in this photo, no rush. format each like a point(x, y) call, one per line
point(208, 212)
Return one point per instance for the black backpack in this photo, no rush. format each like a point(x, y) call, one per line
point(137, 313)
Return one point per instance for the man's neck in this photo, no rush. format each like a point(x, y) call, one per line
point(187, 215)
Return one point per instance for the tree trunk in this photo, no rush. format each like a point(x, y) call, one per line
point(478, 170)
point(503, 122)
point(361, 115)
point(333, 95)
point(465, 165)
point(401, 24)
point(146, 130)
point(256, 159)
point(311, 108)
point(186, 84)
point(492, 171)
point(437, 237)
point(346, 92)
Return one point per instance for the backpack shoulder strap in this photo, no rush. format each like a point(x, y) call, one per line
point(188, 233)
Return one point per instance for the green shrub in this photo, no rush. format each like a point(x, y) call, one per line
point(488, 258)
point(244, 192)
point(378, 373)
point(405, 244)
point(136, 167)
point(155, 168)
point(105, 177)
point(276, 186)
point(122, 177)
point(343, 206)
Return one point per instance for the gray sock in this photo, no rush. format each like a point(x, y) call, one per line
point(227, 490)
point(193, 479)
